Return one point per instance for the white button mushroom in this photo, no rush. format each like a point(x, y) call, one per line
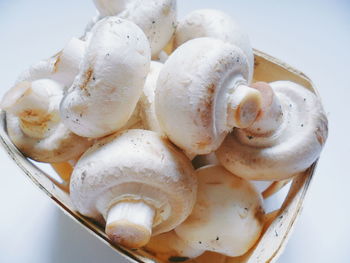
point(62, 67)
point(170, 248)
point(157, 18)
point(286, 138)
point(34, 124)
point(228, 216)
point(138, 182)
point(202, 94)
point(215, 24)
point(109, 84)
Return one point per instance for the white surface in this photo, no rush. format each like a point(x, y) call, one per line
point(313, 36)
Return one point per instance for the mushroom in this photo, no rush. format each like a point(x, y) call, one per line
point(34, 124)
point(137, 182)
point(110, 81)
point(215, 24)
point(62, 67)
point(170, 248)
point(202, 94)
point(228, 216)
point(157, 18)
point(286, 138)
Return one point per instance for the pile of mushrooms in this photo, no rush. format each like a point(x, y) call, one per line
point(127, 126)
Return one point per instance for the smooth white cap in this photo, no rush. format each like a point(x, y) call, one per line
point(228, 216)
point(111, 78)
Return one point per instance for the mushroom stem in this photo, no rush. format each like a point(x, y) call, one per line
point(271, 116)
point(244, 106)
point(130, 223)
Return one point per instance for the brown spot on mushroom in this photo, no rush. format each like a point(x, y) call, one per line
point(58, 59)
point(87, 77)
point(260, 214)
point(83, 176)
point(206, 105)
point(321, 131)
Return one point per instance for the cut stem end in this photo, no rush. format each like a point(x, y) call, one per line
point(244, 107)
point(130, 223)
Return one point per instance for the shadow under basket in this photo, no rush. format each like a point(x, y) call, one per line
point(279, 223)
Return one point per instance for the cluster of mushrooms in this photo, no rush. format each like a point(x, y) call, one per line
point(138, 101)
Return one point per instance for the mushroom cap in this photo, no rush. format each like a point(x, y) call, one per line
point(170, 248)
point(215, 24)
point(196, 84)
point(135, 165)
point(289, 149)
point(228, 216)
point(157, 18)
point(146, 103)
point(55, 142)
point(63, 67)
point(110, 81)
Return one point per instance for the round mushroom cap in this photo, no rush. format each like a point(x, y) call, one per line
point(228, 216)
point(288, 149)
point(37, 130)
point(216, 24)
point(135, 165)
point(110, 81)
point(194, 92)
point(157, 18)
point(170, 248)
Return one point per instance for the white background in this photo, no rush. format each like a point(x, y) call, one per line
point(313, 36)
